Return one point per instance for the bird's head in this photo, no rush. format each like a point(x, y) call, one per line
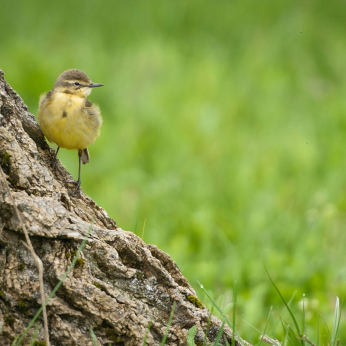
point(75, 82)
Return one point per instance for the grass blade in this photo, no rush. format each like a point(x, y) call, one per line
point(325, 324)
point(286, 338)
point(206, 331)
point(253, 327)
point(234, 306)
point(214, 304)
point(15, 340)
point(93, 336)
point(191, 336)
point(296, 341)
point(265, 327)
point(318, 330)
point(221, 312)
point(143, 229)
point(289, 303)
point(147, 332)
point(336, 322)
point(168, 325)
point(219, 334)
point(282, 298)
point(272, 341)
point(136, 226)
point(303, 321)
point(285, 329)
point(34, 336)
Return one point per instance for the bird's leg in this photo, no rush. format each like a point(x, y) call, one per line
point(78, 182)
point(55, 160)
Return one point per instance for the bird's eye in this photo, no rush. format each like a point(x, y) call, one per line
point(76, 83)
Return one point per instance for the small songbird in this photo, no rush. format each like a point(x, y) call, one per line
point(68, 118)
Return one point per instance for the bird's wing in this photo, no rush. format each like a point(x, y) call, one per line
point(93, 110)
point(42, 98)
point(88, 103)
point(45, 97)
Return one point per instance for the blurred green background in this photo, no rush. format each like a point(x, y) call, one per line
point(224, 131)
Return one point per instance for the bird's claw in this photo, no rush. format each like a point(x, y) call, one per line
point(54, 165)
point(77, 190)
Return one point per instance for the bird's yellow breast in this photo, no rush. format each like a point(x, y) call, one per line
point(65, 120)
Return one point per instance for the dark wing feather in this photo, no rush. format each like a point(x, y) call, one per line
point(45, 97)
point(88, 103)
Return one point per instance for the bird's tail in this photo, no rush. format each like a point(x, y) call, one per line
point(85, 156)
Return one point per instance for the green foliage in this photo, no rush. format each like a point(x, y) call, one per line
point(286, 304)
point(191, 336)
point(224, 127)
point(224, 316)
point(302, 336)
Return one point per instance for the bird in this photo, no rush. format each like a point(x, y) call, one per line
point(68, 119)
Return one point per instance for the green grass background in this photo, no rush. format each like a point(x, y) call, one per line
point(224, 128)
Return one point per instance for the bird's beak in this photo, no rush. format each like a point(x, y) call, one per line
point(94, 85)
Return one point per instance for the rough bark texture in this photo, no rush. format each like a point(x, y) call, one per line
point(119, 284)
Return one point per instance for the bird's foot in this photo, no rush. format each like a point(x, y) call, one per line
point(77, 191)
point(54, 165)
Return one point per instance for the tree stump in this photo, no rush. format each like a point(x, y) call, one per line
point(119, 283)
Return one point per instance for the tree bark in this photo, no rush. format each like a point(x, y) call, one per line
point(119, 283)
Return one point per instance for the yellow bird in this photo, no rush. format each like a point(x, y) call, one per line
point(68, 118)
